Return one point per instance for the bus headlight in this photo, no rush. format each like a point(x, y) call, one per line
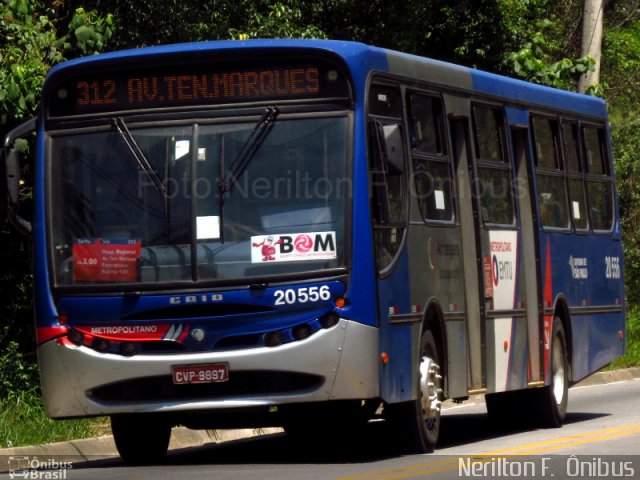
point(273, 339)
point(128, 349)
point(75, 336)
point(300, 332)
point(100, 344)
point(329, 319)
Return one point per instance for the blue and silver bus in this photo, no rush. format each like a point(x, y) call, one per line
point(305, 233)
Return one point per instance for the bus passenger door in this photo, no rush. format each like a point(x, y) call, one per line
point(508, 277)
point(458, 111)
point(499, 275)
point(529, 257)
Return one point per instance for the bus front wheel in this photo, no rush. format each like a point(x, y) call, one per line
point(140, 439)
point(417, 422)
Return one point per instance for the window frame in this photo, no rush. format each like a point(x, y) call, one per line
point(442, 158)
point(578, 175)
point(559, 172)
point(397, 230)
point(505, 163)
point(602, 178)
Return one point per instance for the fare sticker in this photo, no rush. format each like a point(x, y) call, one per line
point(106, 260)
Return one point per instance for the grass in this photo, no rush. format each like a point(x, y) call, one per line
point(23, 421)
point(632, 357)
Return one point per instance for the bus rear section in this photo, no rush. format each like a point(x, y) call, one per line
point(497, 243)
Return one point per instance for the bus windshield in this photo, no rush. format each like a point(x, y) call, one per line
point(148, 206)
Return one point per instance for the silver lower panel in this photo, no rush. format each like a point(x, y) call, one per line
point(346, 356)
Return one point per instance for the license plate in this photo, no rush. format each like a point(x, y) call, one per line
point(208, 373)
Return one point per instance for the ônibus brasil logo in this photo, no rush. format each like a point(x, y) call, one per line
point(289, 247)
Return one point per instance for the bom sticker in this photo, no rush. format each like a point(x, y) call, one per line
point(291, 247)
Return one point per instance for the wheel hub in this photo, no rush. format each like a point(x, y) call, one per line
point(558, 373)
point(430, 388)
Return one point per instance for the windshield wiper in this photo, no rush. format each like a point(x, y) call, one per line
point(249, 149)
point(242, 160)
point(139, 155)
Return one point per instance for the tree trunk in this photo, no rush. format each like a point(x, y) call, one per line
point(591, 41)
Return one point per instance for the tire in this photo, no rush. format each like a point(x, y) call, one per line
point(140, 439)
point(553, 399)
point(416, 423)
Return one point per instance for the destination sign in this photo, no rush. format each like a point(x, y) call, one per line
point(181, 86)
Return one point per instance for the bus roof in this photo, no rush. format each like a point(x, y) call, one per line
point(364, 59)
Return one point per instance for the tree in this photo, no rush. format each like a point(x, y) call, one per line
point(154, 22)
point(620, 74)
point(591, 42)
point(545, 48)
point(27, 52)
point(30, 44)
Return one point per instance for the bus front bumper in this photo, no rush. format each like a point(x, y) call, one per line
point(343, 360)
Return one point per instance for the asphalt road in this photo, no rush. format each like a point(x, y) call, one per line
point(601, 438)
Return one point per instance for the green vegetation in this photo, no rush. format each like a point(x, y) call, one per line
point(538, 40)
point(23, 421)
point(632, 357)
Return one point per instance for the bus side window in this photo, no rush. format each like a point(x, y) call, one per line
point(575, 173)
point(599, 182)
point(552, 194)
point(432, 175)
point(387, 169)
point(494, 169)
point(387, 165)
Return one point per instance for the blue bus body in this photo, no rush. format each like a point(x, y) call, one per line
point(489, 283)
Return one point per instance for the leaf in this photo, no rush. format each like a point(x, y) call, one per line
point(84, 34)
point(13, 91)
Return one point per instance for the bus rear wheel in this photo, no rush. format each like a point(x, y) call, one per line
point(140, 439)
point(553, 398)
point(548, 404)
point(417, 423)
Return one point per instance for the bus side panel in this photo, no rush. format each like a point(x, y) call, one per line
point(507, 352)
point(595, 342)
point(583, 276)
point(400, 342)
point(436, 278)
point(457, 358)
point(518, 355)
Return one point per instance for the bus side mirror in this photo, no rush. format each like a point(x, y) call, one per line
point(10, 171)
point(11, 190)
